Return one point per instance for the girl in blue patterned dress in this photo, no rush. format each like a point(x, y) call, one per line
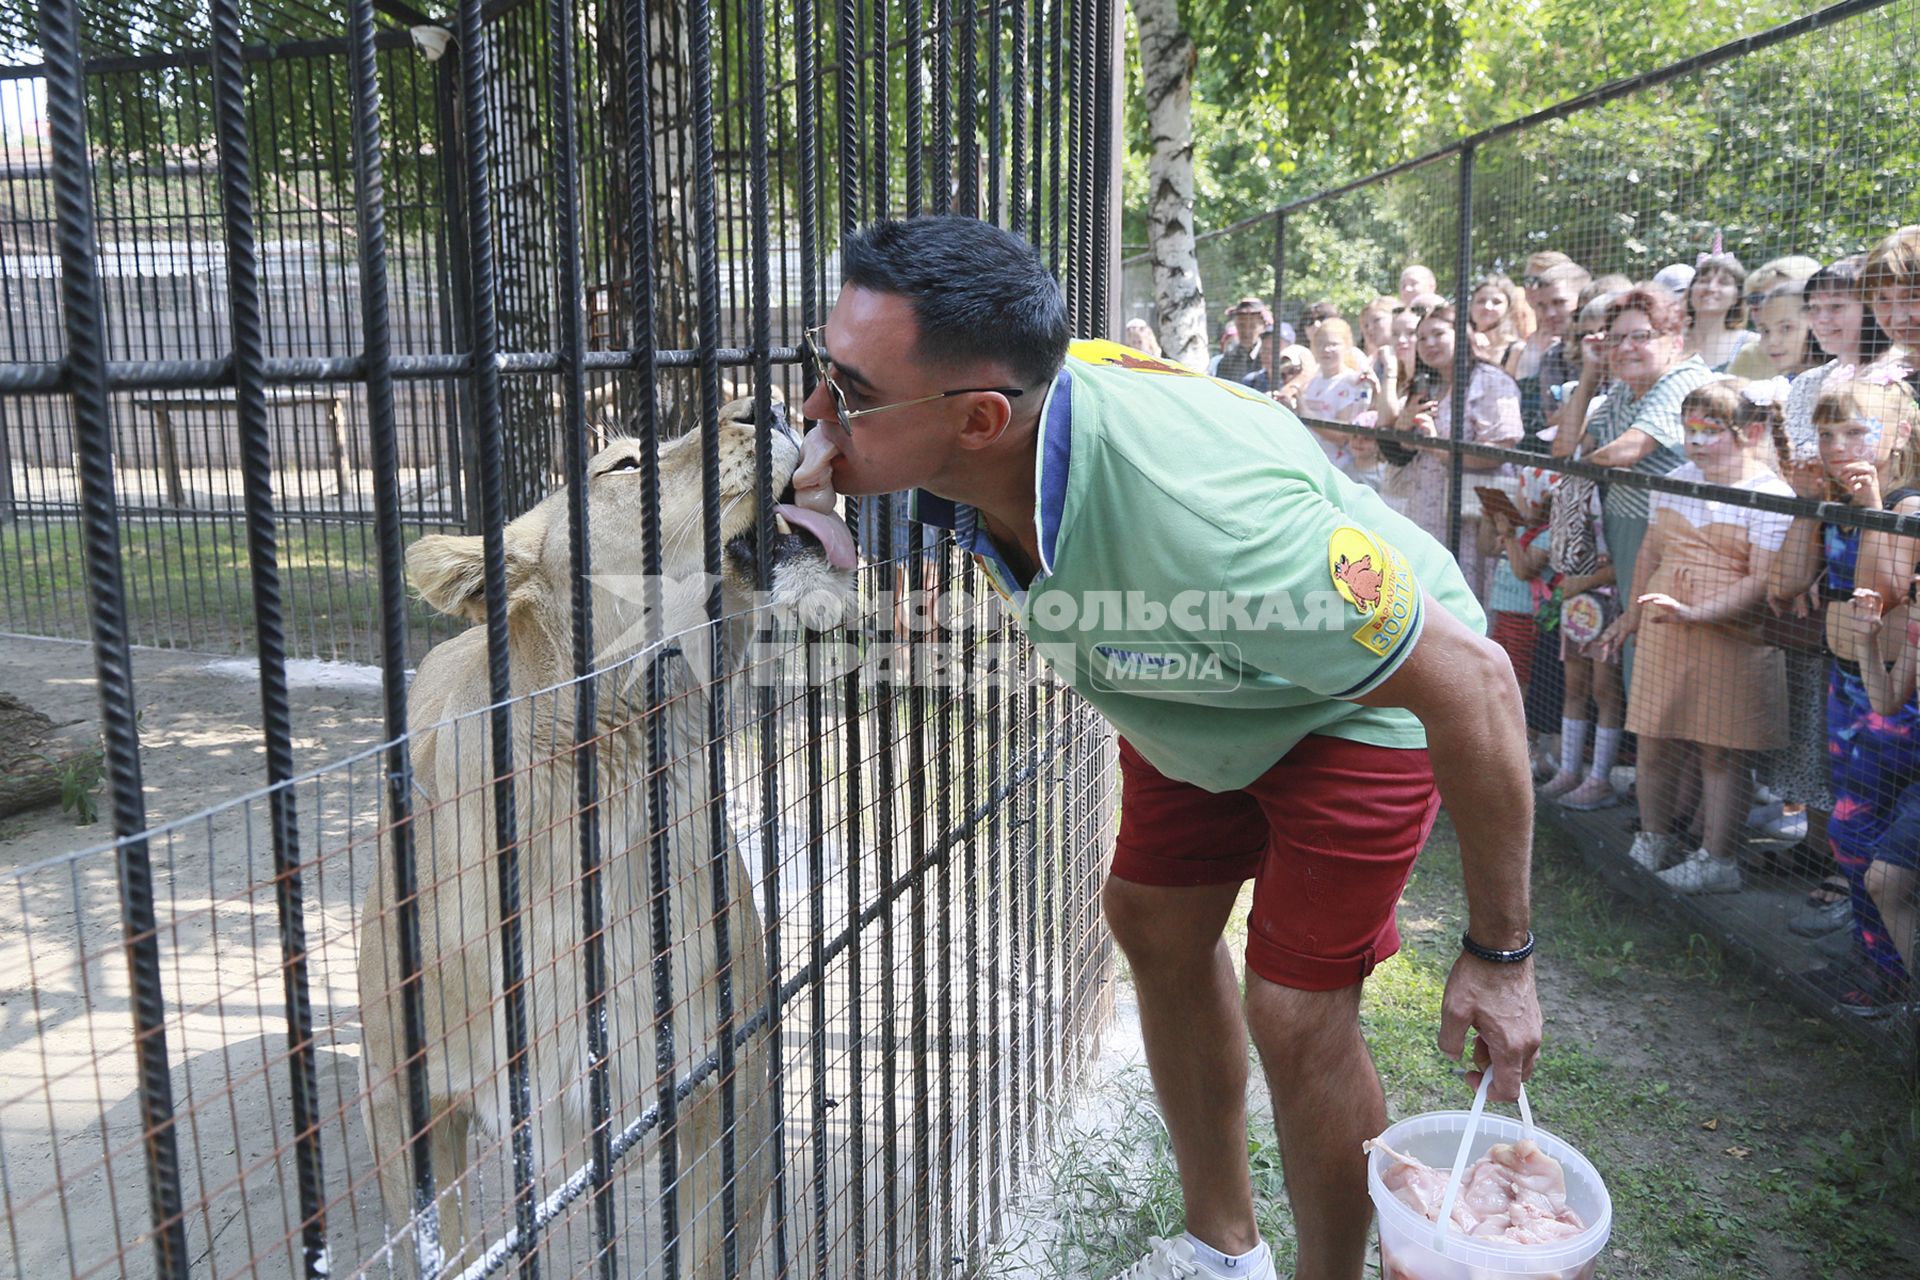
point(1866, 426)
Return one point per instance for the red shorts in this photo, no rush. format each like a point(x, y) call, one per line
point(1330, 832)
point(1516, 633)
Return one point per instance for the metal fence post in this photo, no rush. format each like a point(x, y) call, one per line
point(276, 717)
point(86, 373)
point(1279, 268)
point(1463, 362)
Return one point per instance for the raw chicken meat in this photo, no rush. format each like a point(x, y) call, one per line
point(1515, 1193)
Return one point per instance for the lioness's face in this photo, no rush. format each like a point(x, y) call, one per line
point(811, 553)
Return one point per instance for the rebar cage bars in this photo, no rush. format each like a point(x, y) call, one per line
point(710, 947)
point(1788, 143)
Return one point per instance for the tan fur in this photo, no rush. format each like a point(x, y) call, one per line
point(458, 873)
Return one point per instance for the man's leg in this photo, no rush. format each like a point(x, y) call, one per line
point(1326, 1102)
point(1196, 1045)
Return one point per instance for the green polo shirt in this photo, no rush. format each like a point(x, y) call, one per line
point(1208, 580)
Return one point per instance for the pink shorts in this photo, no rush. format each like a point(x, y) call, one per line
point(1329, 833)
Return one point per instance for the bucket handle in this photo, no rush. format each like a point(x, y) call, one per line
point(1466, 1145)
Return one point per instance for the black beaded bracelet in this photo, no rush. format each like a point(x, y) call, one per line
point(1492, 956)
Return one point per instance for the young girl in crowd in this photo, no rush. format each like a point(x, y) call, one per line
point(1706, 691)
point(1716, 312)
point(1522, 585)
point(1335, 393)
point(1590, 676)
point(1498, 320)
point(1785, 336)
point(1588, 597)
point(1865, 422)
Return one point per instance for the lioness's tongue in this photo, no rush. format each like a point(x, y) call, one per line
point(829, 528)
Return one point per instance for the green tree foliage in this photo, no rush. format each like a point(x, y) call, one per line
point(1804, 148)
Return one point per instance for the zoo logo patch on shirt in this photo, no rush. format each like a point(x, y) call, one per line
point(1376, 580)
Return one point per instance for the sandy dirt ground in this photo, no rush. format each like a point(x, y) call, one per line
point(72, 1166)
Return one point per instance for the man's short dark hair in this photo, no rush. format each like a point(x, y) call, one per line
point(978, 292)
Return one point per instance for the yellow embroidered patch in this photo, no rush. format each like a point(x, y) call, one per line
point(1377, 581)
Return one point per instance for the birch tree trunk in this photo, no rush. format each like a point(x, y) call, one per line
point(1167, 60)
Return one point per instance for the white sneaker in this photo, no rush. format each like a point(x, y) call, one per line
point(1652, 851)
point(1703, 873)
point(1175, 1260)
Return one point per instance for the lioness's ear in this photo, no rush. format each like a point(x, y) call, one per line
point(448, 570)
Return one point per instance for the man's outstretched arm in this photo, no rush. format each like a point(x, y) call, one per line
point(1462, 688)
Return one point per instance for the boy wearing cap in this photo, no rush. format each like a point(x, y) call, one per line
point(1242, 355)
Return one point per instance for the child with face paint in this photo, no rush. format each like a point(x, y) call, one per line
point(1706, 693)
point(1865, 421)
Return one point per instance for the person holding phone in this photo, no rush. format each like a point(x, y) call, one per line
point(1418, 486)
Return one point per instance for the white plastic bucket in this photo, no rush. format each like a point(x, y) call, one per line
point(1411, 1248)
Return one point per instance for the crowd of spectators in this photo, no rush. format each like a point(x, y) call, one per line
point(1744, 677)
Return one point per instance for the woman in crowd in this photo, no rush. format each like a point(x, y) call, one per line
point(1498, 321)
point(1865, 424)
point(1418, 487)
point(1838, 319)
point(1785, 336)
point(1376, 325)
point(1638, 427)
point(1892, 280)
point(1140, 336)
point(1717, 311)
point(1392, 366)
point(1706, 691)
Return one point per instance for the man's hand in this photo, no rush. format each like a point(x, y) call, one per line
point(1462, 688)
point(1498, 1001)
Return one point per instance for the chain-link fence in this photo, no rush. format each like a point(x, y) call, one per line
point(1704, 585)
point(645, 933)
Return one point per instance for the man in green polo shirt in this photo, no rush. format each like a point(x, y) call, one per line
point(1291, 665)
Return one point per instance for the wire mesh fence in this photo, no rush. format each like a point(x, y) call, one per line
point(1686, 508)
point(702, 912)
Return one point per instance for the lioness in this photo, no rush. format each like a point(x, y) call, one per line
point(466, 1035)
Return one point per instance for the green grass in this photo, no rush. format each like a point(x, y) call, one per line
point(188, 586)
point(1827, 1185)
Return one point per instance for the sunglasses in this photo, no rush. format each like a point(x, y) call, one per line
point(821, 363)
point(1422, 312)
